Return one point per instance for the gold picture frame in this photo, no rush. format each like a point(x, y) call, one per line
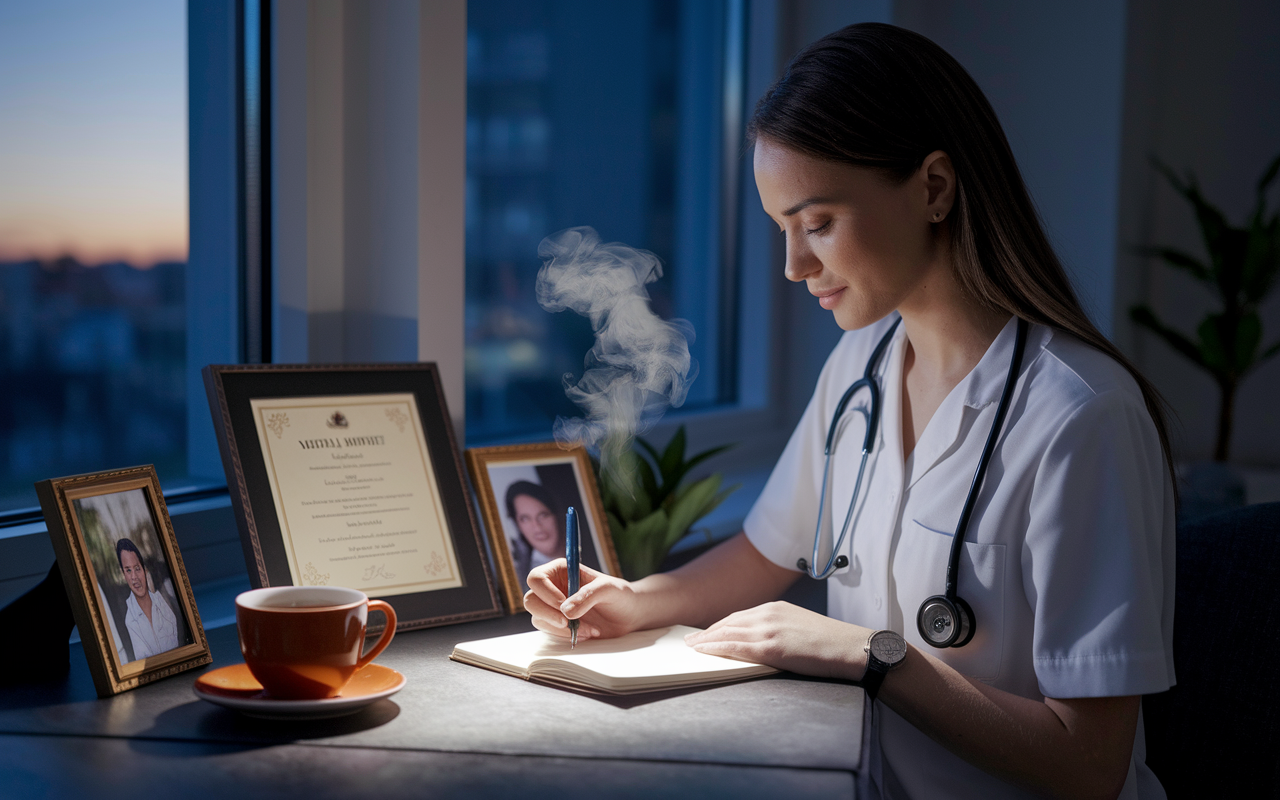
point(538, 479)
point(125, 580)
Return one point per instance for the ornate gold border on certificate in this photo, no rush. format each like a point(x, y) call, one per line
point(109, 675)
point(423, 451)
point(479, 459)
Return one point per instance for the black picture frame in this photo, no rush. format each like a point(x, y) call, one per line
point(231, 388)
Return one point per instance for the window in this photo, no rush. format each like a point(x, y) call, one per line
point(93, 240)
point(622, 116)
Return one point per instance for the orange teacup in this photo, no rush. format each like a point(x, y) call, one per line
point(304, 642)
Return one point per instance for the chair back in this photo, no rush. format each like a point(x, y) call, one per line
point(1217, 732)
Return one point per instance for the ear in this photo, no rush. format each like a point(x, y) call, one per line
point(939, 177)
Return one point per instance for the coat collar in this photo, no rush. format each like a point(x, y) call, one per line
point(980, 388)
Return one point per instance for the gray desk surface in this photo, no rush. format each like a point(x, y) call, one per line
point(452, 729)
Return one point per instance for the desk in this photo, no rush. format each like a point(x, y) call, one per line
point(453, 730)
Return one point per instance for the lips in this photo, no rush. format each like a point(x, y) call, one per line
point(828, 298)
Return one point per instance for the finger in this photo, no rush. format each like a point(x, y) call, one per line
point(736, 619)
point(588, 597)
point(728, 633)
point(546, 581)
point(539, 610)
point(741, 651)
point(560, 632)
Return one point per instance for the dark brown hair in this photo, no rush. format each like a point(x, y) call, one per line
point(879, 96)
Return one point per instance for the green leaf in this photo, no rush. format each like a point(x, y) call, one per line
point(1179, 259)
point(1144, 316)
point(625, 495)
point(648, 483)
point(1261, 259)
point(687, 508)
point(715, 501)
point(650, 449)
point(671, 460)
point(1248, 337)
point(1213, 224)
point(703, 456)
point(639, 555)
point(1269, 352)
point(1268, 176)
point(616, 527)
point(1215, 343)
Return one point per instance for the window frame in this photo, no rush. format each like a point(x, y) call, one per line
point(228, 310)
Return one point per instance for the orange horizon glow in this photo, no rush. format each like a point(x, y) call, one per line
point(93, 145)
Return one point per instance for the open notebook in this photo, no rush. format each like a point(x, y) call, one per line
point(643, 661)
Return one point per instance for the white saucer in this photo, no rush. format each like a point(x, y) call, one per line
point(234, 687)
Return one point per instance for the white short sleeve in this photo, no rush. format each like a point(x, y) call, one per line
point(781, 523)
point(1098, 554)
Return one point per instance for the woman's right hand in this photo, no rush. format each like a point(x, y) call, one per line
point(606, 606)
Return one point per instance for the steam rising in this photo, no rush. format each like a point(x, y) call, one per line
point(640, 363)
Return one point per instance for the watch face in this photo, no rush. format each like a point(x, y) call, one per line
point(888, 647)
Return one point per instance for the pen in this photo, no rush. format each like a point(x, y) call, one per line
point(572, 554)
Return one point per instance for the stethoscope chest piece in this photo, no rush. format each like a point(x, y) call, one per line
point(945, 623)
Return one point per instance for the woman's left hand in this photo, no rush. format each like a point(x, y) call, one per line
point(788, 637)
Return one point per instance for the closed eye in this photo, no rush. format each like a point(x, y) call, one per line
point(819, 229)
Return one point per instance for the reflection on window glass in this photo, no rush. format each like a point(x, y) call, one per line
point(93, 239)
point(586, 113)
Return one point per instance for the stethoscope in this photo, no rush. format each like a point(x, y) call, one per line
point(944, 620)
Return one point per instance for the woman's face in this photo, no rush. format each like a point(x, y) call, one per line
point(538, 525)
point(134, 574)
point(862, 243)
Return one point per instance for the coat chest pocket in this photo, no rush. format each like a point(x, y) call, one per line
point(920, 570)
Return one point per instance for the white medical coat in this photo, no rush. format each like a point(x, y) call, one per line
point(1068, 560)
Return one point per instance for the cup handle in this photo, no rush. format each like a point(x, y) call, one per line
point(387, 632)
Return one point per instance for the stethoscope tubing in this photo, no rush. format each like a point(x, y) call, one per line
point(1002, 410)
point(872, 415)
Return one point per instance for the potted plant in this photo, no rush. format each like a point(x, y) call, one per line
point(648, 505)
point(1242, 267)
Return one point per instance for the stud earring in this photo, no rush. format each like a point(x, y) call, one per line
point(937, 215)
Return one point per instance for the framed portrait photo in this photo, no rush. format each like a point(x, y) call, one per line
point(125, 580)
point(524, 491)
point(349, 475)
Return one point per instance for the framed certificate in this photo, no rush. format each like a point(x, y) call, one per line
point(350, 476)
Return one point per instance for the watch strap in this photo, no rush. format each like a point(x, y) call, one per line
point(874, 676)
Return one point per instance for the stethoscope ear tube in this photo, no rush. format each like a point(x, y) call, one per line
point(872, 414)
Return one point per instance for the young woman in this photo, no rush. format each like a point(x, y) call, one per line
point(540, 522)
point(1046, 574)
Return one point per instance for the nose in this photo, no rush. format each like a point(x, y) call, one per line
point(801, 262)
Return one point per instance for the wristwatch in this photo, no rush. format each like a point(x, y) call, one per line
point(885, 650)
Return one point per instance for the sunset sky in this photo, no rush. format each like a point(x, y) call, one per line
point(93, 130)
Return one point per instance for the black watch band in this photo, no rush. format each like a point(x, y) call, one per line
point(885, 650)
point(874, 676)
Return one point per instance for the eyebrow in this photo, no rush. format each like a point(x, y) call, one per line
point(803, 204)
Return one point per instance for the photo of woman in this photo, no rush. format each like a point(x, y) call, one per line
point(525, 491)
point(535, 499)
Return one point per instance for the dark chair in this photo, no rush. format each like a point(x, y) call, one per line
point(1217, 732)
